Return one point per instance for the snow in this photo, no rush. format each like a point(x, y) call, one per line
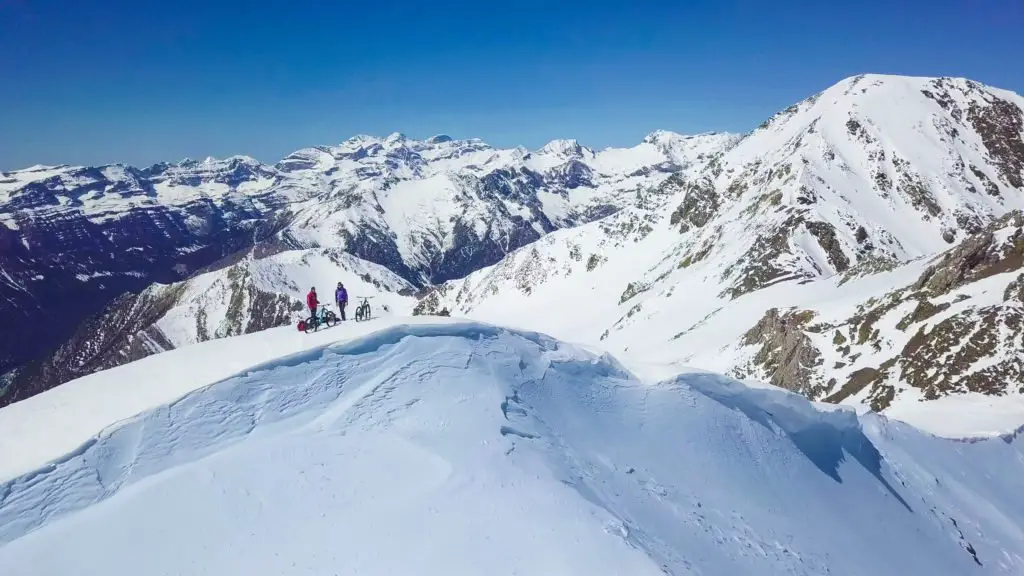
point(460, 448)
point(41, 428)
point(86, 277)
point(967, 415)
point(627, 160)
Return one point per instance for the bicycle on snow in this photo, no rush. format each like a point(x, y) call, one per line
point(324, 317)
point(363, 310)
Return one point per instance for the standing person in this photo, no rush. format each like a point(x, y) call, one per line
point(341, 297)
point(312, 302)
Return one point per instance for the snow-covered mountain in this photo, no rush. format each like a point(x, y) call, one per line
point(460, 449)
point(837, 200)
point(75, 238)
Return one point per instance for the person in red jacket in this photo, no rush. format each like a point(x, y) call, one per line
point(312, 301)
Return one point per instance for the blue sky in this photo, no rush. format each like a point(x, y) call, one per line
point(142, 81)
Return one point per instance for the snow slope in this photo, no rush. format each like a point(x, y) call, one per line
point(588, 284)
point(835, 204)
point(469, 449)
point(48, 425)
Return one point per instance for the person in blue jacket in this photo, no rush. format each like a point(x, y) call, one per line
point(341, 297)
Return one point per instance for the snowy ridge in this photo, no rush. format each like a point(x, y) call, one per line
point(250, 295)
point(230, 301)
point(335, 457)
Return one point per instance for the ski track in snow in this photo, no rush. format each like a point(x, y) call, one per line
point(464, 448)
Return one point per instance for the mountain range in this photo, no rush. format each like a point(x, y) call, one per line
point(862, 246)
point(77, 239)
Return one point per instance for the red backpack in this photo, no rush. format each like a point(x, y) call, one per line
point(302, 325)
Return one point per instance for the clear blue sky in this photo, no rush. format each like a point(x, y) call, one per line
point(88, 82)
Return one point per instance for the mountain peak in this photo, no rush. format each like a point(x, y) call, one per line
point(661, 135)
point(439, 139)
point(395, 138)
point(564, 147)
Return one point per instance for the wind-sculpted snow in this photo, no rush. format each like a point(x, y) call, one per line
point(468, 449)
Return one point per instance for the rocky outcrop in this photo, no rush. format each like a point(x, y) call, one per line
point(1001, 126)
point(62, 268)
point(764, 263)
point(786, 356)
point(123, 333)
point(942, 343)
point(825, 234)
point(698, 207)
point(979, 256)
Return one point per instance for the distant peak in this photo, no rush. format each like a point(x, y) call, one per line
point(42, 168)
point(563, 147)
point(357, 141)
point(662, 136)
point(666, 138)
point(439, 139)
point(243, 159)
point(395, 138)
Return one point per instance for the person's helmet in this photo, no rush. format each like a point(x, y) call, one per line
point(339, 284)
point(313, 289)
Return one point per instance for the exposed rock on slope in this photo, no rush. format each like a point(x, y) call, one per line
point(957, 329)
point(786, 355)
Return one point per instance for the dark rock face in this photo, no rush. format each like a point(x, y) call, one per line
point(942, 353)
point(786, 354)
point(1001, 125)
point(978, 257)
point(61, 269)
point(825, 234)
point(700, 204)
point(124, 333)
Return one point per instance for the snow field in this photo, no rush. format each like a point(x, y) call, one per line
point(464, 449)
